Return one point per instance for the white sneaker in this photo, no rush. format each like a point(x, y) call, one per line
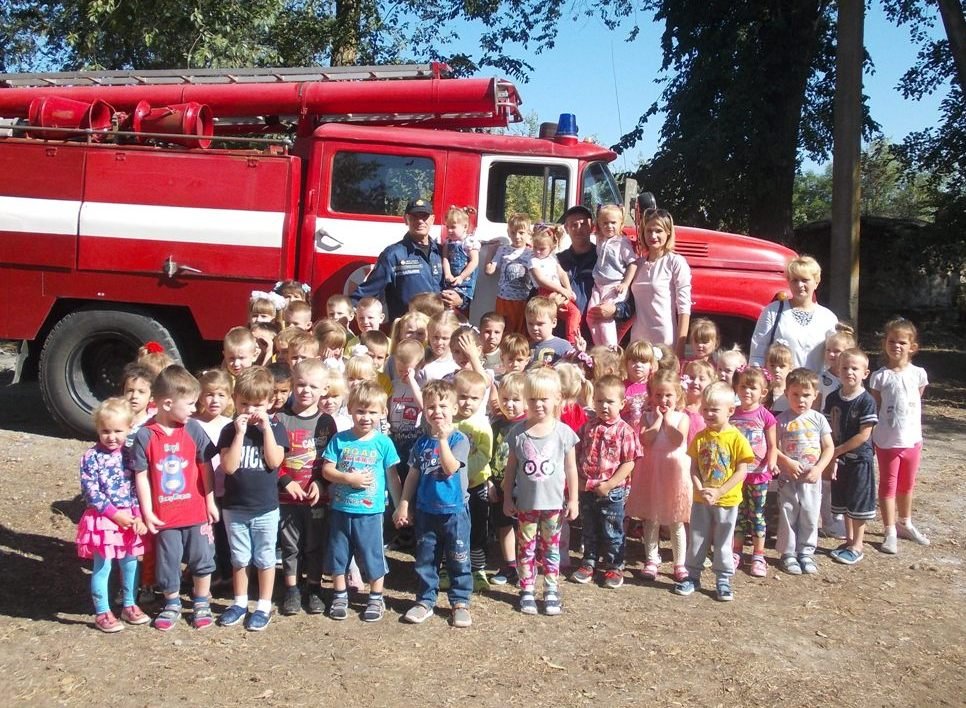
point(890, 545)
point(911, 533)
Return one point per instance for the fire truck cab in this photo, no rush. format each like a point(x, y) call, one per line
point(139, 206)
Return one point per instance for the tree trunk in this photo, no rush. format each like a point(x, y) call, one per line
point(345, 43)
point(952, 14)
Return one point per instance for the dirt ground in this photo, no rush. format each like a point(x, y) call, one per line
point(889, 631)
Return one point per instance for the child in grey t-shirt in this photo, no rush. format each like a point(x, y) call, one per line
point(541, 464)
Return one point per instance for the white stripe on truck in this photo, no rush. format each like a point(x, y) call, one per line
point(40, 216)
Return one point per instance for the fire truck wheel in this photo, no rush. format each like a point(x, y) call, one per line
point(82, 360)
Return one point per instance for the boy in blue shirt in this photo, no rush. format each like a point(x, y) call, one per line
point(438, 478)
point(361, 464)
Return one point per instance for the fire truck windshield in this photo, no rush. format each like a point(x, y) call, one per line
point(598, 187)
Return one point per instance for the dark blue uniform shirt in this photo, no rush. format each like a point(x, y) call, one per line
point(402, 271)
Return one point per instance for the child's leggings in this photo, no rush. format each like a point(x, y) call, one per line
point(751, 511)
point(101, 576)
point(603, 331)
point(897, 469)
point(652, 541)
point(538, 532)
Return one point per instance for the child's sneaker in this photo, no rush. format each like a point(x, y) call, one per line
point(168, 617)
point(461, 616)
point(480, 582)
point(107, 622)
point(613, 578)
point(807, 564)
point(315, 605)
point(375, 610)
point(232, 616)
point(584, 574)
point(444, 581)
point(339, 610)
point(790, 565)
point(418, 613)
point(507, 575)
point(528, 605)
point(890, 544)
point(685, 587)
point(723, 591)
point(551, 603)
point(132, 614)
point(911, 533)
point(292, 602)
point(257, 621)
point(758, 568)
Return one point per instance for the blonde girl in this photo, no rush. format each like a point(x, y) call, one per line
point(461, 253)
point(757, 424)
point(704, 340)
point(843, 338)
point(292, 290)
point(577, 394)
point(728, 364)
point(661, 486)
point(551, 281)
point(265, 307)
point(613, 273)
point(639, 363)
point(154, 357)
point(607, 361)
point(412, 325)
point(778, 362)
point(111, 527)
point(439, 333)
point(662, 285)
point(897, 388)
point(698, 375)
point(360, 368)
point(541, 464)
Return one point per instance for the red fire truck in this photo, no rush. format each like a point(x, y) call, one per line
point(141, 206)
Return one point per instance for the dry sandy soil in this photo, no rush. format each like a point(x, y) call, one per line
point(886, 632)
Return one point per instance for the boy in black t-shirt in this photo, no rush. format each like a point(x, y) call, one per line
point(251, 451)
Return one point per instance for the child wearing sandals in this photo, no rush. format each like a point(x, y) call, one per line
point(805, 449)
point(111, 527)
point(439, 480)
point(540, 463)
point(172, 472)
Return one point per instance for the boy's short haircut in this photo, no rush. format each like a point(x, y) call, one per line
point(519, 221)
point(855, 353)
point(438, 389)
point(367, 393)
point(802, 377)
point(492, 318)
point(514, 382)
point(308, 367)
point(135, 371)
point(718, 392)
point(804, 266)
point(326, 325)
point(514, 345)
point(175, 382)
point(297, 307)
point(304, 342)
point(374, 338)
point(254, 384)
point(611, 383)
point(779, 354)
point(113, 407)
point(469, 378)
point(541, 306)
point(367, 302)
point(238, 337)
point(340, 299)
point(410, 351)
point(280, 372)
point(430, 304)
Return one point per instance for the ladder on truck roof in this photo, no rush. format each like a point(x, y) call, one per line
point(156, 77)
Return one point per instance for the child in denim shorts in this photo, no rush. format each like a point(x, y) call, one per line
point(251, 451)
point(360, 463)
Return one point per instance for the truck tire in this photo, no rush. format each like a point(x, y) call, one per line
point(82, 360)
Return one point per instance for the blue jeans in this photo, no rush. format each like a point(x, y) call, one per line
point(437, 534)
point(603, 528)
point(101, 575)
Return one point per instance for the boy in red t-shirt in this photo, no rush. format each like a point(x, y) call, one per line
point(170, 457)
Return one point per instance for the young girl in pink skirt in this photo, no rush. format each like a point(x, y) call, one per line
point(661, 488)
point(111, 528)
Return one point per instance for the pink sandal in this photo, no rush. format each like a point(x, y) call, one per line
point(680, 574)
point(649, 572)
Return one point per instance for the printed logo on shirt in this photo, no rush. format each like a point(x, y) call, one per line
point(537, 467)
point(251, 458)
point(173, 482)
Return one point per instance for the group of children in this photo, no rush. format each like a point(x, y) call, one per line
point(297, 445)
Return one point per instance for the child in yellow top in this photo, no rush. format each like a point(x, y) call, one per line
point(720, 456)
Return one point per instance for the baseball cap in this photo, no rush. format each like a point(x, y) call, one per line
point(419, 206)
point(578, 210)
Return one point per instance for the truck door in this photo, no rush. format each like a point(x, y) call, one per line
point(361, 196)
point(219, 215)
point(539, 186)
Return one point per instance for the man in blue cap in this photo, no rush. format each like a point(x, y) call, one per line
point(412, 266)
